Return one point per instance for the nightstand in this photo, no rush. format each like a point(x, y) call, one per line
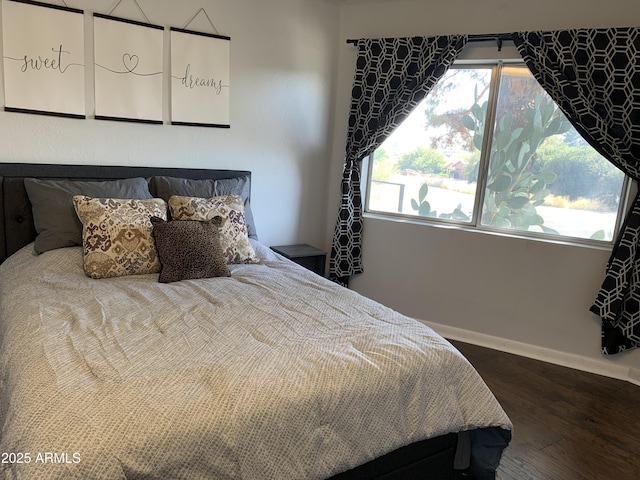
point(309, 257)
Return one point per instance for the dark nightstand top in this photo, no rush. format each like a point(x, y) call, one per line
point(309, 257)
point(298, 251)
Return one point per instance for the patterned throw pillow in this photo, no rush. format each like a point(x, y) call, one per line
point(189, 249)
point(233, 231)
point(116, 235)
point(164, 187)
point(56, 223)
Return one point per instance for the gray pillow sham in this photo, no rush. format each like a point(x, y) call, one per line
point(165, 187)
point(56, 222)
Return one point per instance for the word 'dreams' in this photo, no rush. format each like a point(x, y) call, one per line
point(189, 81)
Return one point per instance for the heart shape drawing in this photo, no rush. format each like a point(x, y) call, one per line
point(130, 62)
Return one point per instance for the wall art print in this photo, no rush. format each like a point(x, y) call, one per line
point(43, 53)
point(199, 79)
point(128, 70)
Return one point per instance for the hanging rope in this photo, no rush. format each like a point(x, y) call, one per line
point(202, 10)
point(137, 5)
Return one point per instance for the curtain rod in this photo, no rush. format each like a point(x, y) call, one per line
point(483, 37)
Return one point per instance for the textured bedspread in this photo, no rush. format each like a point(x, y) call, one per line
point(272, 373)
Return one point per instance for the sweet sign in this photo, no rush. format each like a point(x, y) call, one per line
point(43, 59)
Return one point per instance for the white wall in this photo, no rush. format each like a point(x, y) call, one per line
point(518, 295)
point(283, 61)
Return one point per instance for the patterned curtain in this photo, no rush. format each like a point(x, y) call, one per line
point(594, 77)
point(392, 76)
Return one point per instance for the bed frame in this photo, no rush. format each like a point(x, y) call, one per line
point(431, 459)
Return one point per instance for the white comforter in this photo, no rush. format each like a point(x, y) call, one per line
point(272, 373)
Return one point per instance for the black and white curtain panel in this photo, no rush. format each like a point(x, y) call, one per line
point(392, 76)
point(594, 77)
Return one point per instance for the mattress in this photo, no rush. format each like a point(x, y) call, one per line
point(271, 373)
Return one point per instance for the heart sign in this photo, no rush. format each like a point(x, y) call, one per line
point(130, 62)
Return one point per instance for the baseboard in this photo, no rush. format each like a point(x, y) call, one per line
point(578, 362)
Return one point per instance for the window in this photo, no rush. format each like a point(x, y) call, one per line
point(489, 149)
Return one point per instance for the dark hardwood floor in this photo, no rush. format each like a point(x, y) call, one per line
point(568, 424)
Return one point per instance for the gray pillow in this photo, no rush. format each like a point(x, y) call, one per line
point(166, 187)
point(54, 217)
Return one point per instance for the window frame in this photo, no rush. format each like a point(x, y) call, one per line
point(475, 225)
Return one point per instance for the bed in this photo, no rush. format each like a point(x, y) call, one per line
point(262, 370)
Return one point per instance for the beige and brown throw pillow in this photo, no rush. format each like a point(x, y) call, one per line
point(233, 231)
point(52, 205)
point(189, 249)
point(165, 187)
point(117, 235)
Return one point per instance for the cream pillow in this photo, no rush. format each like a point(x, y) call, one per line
point(117, 235)
point(234, 238)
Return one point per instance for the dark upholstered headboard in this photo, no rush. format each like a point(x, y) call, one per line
point(16, 220)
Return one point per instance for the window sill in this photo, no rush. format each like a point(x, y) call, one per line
point(530, 236)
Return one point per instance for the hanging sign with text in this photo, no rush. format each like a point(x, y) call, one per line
point(199, 79)
point(43, 49)
point(128, 69)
